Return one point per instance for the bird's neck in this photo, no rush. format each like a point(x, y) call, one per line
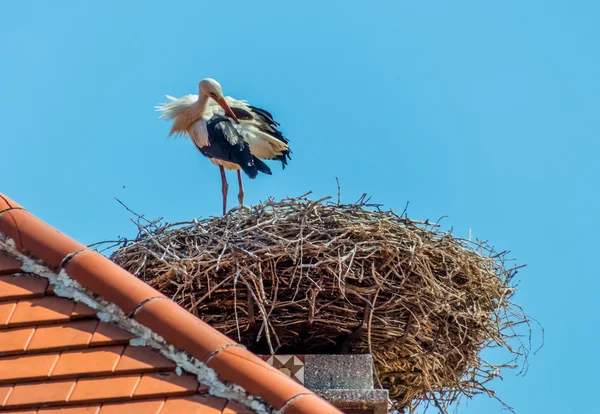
point(188, 116)
point(200, 105)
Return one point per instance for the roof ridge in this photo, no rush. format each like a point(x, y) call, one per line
point(82, 274)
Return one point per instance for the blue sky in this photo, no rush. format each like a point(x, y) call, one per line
point(485, 112)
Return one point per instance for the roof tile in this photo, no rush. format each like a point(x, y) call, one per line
point(196, 404)
point(134, 407)
point(8, 226)
point(65, 336)
point(242, 367)
point(84, 409)
point(6, 311)
point(39, 393)
point(141, 359)
point(42, 310)
point(104, 389)
point(181, 329)
point(37, 239)
point(82, 310)
point(108, 280)
point(5, 391)
point(234, 407)
point(6, 203)
point(310, 404)
point(15, 341)
point(20, 412)
point(92, 361)
point(107, 333)
point(9, 264)
point(31, 367)
point(163, 384)
point(22, 286)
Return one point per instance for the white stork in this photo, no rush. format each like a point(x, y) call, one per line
point(231, 133)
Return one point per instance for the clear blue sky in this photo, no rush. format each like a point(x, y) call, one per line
point(487, 113)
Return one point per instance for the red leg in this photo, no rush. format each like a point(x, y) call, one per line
point(241, 193)
point(224, 188)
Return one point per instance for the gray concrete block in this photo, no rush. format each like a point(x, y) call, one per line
point(357, 399)
point(349, 372)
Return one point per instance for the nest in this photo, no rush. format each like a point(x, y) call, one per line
point(302, 276)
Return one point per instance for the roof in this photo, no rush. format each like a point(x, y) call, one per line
point(79, 332)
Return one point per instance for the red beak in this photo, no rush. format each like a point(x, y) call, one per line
point(227, 109)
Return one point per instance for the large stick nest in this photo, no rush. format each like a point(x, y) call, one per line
point(301, 276)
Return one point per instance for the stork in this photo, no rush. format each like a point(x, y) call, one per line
point(232, 134)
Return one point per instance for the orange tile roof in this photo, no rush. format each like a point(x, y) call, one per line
point(57, 356)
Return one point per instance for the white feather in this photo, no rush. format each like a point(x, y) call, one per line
point(176, 106)
point(262, 145)
point(199, 133)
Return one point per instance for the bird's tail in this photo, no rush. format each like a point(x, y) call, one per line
point(284, 157)
point(261, 166)
point(252, 169)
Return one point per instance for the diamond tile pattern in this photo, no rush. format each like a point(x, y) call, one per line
point(290, 365)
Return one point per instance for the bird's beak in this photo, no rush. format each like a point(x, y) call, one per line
point(227, 109)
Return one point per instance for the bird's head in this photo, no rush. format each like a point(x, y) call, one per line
point(212, 89)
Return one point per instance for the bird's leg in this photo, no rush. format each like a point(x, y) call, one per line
point(224, 188)
point(241, 193)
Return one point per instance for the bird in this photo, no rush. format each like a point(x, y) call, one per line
point(231, 133)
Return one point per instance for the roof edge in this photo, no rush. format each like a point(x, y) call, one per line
point(81, 274)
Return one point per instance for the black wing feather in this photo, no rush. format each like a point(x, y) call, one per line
point(226, 144)
point(265, 114)
point(241, 113)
